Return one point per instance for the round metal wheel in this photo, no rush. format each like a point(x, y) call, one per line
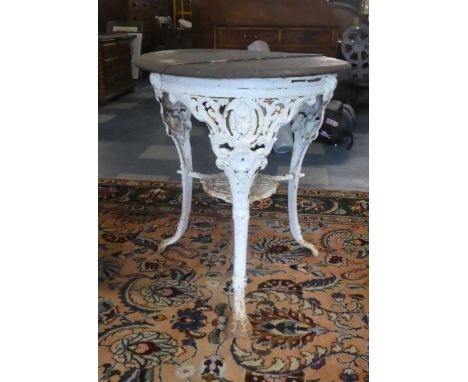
point(346, 15)
point(355, 50)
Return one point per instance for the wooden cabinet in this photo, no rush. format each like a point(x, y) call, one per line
point(135, 10)
point(300, 26)
point(115, 71)
point(303, 40)
point(308, 37)
point(239, 38)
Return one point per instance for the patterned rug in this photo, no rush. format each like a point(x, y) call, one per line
point(162, 318)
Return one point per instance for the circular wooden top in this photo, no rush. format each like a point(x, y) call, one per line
point(224, 63)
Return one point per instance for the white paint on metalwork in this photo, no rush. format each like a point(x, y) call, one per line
point(305, 129)
point(176, 118)
point(218, 186)
point(243, 116)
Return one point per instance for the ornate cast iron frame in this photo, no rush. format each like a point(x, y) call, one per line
point(243, 117)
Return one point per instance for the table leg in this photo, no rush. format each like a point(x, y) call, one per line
point(240, 183)
point(176, 117)
point(305, 128)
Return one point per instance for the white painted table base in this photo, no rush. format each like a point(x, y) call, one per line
point(243, 117)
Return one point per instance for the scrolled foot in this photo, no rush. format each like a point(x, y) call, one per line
point(238, 328)
point(163, 245)
point(311, 247)
point(238, 324)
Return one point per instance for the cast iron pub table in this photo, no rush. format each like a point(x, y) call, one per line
point(243, 97)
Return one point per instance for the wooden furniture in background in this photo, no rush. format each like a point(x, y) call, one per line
point(301, 26)
point(115, 71)
point(181, 10)
point(134, 28)
point(177, 39)
point(135, 10)
point(202, 27)
point(111, 10)
point(145, 11)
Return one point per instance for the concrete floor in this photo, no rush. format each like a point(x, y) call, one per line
point(133, 145)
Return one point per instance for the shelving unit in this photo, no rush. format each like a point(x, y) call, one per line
point(181, 9)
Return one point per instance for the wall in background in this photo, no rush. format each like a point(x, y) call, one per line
point(135, 10)
point(111, 10)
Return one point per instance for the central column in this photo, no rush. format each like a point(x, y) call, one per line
point(241, 152)
point(242, 133)
point(240, 183)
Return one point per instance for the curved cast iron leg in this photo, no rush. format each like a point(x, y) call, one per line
point(178, 125)
point(305, 128)
point(299, 151)
point(238, 324)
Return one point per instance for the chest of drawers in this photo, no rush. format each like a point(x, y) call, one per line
point(296, 26)
point(114, 63)
point(288, 39)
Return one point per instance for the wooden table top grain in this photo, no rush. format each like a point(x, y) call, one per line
point(232, 64)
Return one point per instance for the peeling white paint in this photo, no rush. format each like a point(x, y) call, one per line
point(243, 116)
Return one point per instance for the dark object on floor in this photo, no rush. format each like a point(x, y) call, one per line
point(115, 68)
point(338, 124)
point(350, 93)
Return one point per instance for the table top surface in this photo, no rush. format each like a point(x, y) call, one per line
point(231, 64)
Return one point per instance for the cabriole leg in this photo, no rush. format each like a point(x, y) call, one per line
point(305, 128)
point(176, 117)
point(240, 183)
